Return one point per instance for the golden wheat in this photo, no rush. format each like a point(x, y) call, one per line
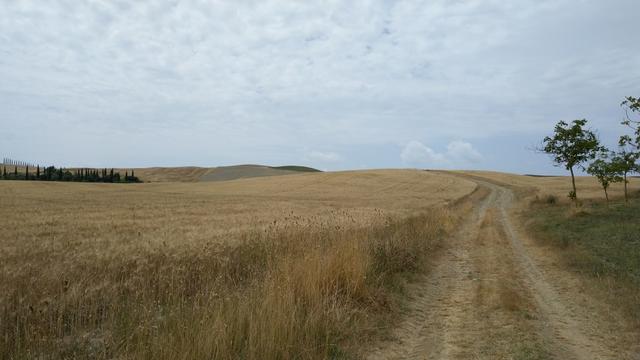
point(259, 269)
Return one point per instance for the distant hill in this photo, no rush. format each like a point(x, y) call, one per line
point(225, 173)
point(169, 174)
point(296, 168)
point(536, 175)
point(222, 173)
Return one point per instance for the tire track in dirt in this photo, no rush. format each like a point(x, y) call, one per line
point(426, 328)
point(485, 298)
point(575, 331)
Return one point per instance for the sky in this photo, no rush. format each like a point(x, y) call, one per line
point(330, 84)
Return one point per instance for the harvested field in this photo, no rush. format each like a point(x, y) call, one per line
point(222, 173)
point(225, 173)
point(169, 174)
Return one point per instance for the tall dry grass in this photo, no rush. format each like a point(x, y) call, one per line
point(281, 292)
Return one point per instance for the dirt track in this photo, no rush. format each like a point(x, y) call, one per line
point(494, 295)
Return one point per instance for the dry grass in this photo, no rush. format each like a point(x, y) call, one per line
point(255, 269)
point(557, 186)
point(601, 243)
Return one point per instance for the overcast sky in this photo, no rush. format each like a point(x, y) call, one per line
point(329, 84)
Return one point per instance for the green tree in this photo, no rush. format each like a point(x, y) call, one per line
point(625, 161)
point(632, 105)
point(570, 146)
point(607, 172)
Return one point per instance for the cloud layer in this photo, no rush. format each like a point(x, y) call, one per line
point(213, 83)
point(459, 154)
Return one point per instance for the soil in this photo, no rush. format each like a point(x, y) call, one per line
point(495, 294)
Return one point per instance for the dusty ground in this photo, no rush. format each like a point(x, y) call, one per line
point(494, 294)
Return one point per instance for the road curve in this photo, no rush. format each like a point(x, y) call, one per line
point(487, 297)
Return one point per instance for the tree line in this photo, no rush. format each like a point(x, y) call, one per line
point(51, 173)
point(575, 146)
point(8, 161)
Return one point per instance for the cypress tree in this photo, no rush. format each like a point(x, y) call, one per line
point(38, 172)
point(4, 172)
point(26, 175)
point(15, 171)
point(111, 176)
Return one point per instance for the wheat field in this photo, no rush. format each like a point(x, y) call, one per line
point(298, 266)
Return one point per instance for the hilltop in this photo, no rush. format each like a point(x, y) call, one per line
point(221, 173)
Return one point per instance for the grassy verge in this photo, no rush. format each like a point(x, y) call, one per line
point(601, 242)
point(279, 294)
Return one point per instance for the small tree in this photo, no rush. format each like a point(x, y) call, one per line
point(606, 172)
point(632, 104)
point(570, 146)
point(625, 161)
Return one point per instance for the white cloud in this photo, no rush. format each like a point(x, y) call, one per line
point(416, 153)
point(265, 78)
point(325, 157)
point(459, 153)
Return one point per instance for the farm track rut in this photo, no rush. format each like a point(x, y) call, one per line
point(492, 295)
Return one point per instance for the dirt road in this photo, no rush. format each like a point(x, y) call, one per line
point(495, 295)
